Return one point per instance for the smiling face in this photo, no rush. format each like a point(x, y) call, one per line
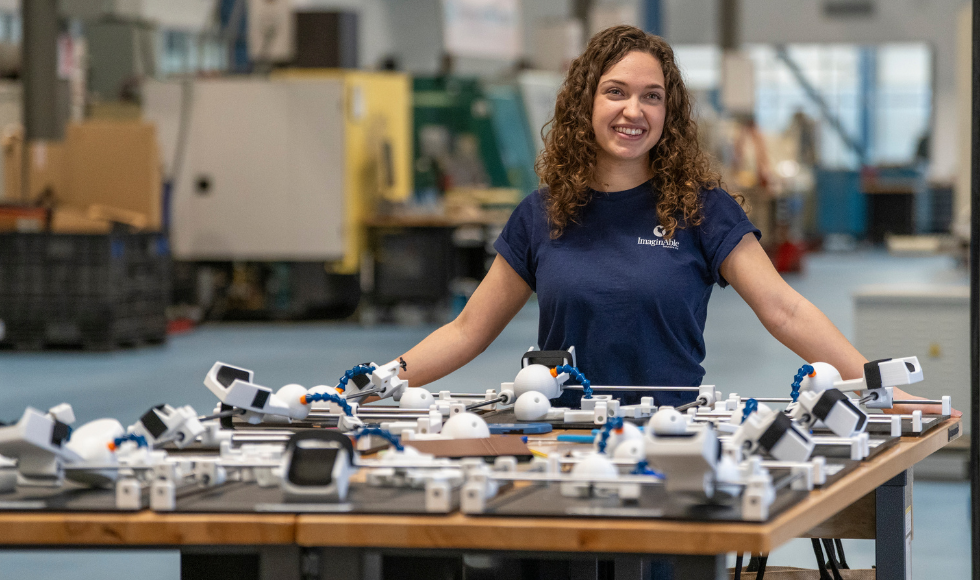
point(628, 111)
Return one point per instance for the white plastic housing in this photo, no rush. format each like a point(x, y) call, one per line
point(774, 433)
point(834, 409)
point(687, 460)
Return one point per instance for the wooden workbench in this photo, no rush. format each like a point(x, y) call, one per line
point(701, 545)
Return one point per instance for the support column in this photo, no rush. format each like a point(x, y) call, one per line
point(40, 70)
point(40, 78)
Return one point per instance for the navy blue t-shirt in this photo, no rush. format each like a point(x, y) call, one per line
point(632, 302)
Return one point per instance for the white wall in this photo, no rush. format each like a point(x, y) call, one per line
point(802, 21)
point(417, 38)
point(179, 14)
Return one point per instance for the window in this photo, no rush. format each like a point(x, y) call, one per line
point(895, 78)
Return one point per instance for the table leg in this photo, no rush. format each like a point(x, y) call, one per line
point(631, 568)
point(347, 564)
point(700, 567)
point(240, 563)
point(893, 528)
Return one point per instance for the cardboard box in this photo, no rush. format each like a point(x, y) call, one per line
point(47, 169)
point(114, 164)
point(71, 220)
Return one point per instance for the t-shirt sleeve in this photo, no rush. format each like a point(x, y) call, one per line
point(516, 242)
point(722, 228)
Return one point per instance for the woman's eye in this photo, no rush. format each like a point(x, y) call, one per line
point(655, 96)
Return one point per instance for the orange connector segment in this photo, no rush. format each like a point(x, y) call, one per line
point(554, 372)
point(111, 446)
point(302, 400)
point(813, 374)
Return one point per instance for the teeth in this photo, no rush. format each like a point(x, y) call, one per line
point(626, 131)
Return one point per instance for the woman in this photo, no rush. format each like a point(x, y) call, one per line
point(626, 240)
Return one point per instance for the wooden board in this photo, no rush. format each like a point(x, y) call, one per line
point(457, 531)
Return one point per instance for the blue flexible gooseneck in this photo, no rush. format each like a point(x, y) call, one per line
point(751, 406)
point(380, 433)
point(613, 424)
point(139, 439)
point(348, 375)
point(804, 370)
point(316, 397)
point(578, 376)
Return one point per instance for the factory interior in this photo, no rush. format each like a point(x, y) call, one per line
point(296, 187)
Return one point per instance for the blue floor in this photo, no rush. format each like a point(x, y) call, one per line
point(742, 358)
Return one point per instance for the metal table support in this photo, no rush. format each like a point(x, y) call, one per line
point(893, 528)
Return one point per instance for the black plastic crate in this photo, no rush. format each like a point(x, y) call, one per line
point(94, 291)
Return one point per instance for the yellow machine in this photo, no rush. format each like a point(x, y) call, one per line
point(378, 146)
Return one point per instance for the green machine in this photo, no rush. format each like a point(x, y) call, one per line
point(468, 134)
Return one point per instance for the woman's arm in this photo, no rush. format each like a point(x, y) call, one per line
point(792, 319)
point(495, 302)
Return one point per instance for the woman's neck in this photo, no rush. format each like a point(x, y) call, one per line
point(620, 175)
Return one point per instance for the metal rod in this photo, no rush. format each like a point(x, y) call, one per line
point(700, 401)
point(387, 409)
point(361, 394)
point(621, 388)
point(786, 481)
point(772, 399)
point(917, 402)
point(222, 415)
point(567, 478)
point(484, 403)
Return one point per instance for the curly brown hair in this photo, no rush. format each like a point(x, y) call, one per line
point(568, 163)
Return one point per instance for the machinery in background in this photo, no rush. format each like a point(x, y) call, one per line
point(271, 180)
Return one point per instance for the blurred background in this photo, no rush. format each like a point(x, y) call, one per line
point(297, 186)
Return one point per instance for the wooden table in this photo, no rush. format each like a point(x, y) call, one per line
point(347, 546)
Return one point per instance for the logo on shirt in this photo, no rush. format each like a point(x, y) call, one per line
point(658, 240)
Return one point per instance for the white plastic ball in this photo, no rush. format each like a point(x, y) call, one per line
point(91, 440)
point(630, 432)
point(416, 398)
point(291, 395)
point(824, 377)
point(531, 406)
point(595, 465)
point(91, 443)
point(633, 450)
point(667, 421)
point(536, 378)
point(466, 426)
